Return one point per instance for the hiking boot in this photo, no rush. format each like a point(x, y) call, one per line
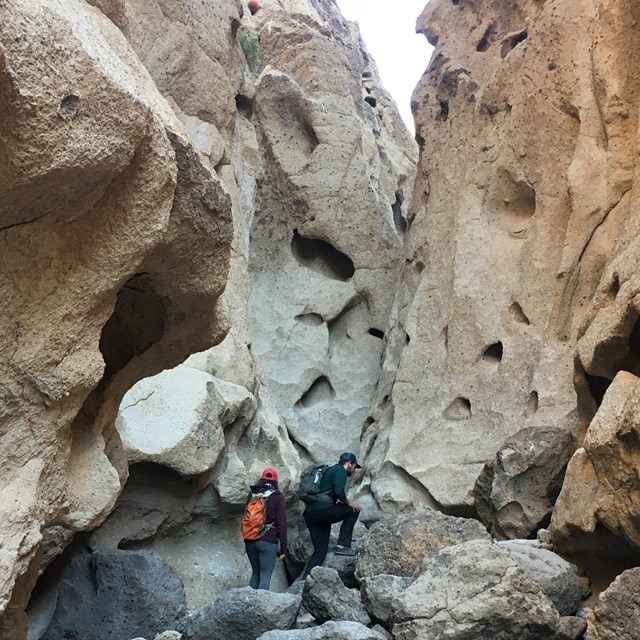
point(344, 551)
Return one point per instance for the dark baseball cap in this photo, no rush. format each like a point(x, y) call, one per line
point(350, 457)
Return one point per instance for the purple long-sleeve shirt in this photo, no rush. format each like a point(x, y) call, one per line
point(276, 515)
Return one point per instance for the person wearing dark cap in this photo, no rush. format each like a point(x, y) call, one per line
point(262, 550)
point(332, 506)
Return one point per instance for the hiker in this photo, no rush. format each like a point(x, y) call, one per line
point(332, 506)
point(263, 527)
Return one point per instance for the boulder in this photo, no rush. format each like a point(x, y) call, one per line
point(397, 544)
point(177, 419)
point(571, 628)
point(616, 616)
point(328, 631)
point(326, 598)
point(473, 590)
point(117, 594)
point(515, 493)
point(378, 593)
point(301, 548)
point(557, 578)
point(243, 614)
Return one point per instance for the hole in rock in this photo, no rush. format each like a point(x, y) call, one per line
point(407, 338)
point(487, 38)
point(512, 42)
point(614, 288)
point(371, 100)
point(319, 391)
point(399, 220)
point(459, 409)
point(312, 319)
point(366, 75)
point(444, 110)
point(235, 25)
point(518, 314)
point(493, 353)
point(244, 105)
point(385, 400)
point(420, 141)
point(321, 257)
point(376, 333)
point(456, 2)
point(137, 323)
point(532, 405)
point(512, 201)
point(598, 387)
point(69, 107)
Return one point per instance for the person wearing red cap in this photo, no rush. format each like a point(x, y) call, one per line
point(262, 553)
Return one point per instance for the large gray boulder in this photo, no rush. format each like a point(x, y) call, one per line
point(556, 577)
point(326, 598)
point(117, 594)
point(328, 631)
point(515, 493)
point(301, 548)
point(473, 591)
point(617, 614)
point(379, 592)
point(397, 544)
point(243, 614)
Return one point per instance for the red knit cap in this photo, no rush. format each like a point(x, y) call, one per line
point(269, 474)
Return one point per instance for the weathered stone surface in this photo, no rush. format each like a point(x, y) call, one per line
point(617, 614)
point(518, 246)
point(571, 628)
point(397, 544)
point(599, 500)
point(557, 578)
point(327, 631)
point(515, 493)
point(378, 593)
point(117, 594)
point(326, 598)
point(322, 283)
point(301, 548)
point(101, 194)
point(473, 590)
point(244, 614)
point(177, 419)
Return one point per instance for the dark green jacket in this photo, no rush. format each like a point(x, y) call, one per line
point(333, 482)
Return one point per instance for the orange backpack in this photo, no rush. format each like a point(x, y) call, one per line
point(254, 524)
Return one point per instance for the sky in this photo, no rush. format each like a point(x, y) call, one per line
point(388, 28)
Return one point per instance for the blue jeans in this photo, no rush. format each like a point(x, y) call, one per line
point(262, 556)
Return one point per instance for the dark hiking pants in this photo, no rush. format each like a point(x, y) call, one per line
point(319, 525)
point(262, 556)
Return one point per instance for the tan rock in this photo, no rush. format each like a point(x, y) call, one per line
point(101, 194)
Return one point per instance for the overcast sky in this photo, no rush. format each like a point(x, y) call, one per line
point(388, 29)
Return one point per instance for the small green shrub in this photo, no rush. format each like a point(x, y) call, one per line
point(253, 52)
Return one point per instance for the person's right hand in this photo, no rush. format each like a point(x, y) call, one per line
point(354, 505)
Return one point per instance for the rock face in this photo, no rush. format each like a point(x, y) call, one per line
point(117, 594)
point(617, 614)
point(115, 242)
point(328, 631)
point(244, 614)
point(326, 598)
point(473, 590)
point(599, 499)
point(514, 494)
point(398, 544)
point(520, 254)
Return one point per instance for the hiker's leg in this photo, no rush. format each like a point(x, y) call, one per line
point(320, 534)
point(252, 553)
point(267, 557)
point(346, 528)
